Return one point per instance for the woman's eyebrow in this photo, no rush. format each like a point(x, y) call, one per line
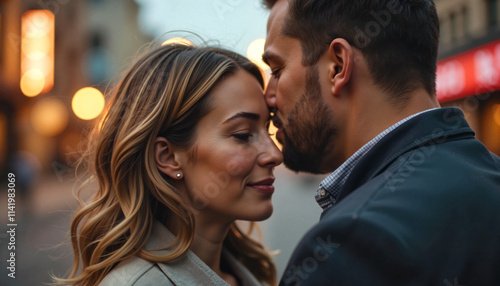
point(249, 115)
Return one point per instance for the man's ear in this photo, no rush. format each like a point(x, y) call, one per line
point(166, 159)
point(342, 57)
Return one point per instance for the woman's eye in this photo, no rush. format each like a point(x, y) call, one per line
point(242, 136)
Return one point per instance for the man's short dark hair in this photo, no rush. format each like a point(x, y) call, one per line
point(269, 3)
point(398, 38)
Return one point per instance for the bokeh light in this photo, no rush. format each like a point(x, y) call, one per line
point(32, 82)
point(255, 51)
point(49, 117)
point(272, 131)
point(37, 52)
point(177, 40)
point(88, 103)
point(496, 113)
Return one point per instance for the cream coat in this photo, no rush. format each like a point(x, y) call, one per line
point(188, 270)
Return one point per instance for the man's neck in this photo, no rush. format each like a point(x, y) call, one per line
point(376, 114)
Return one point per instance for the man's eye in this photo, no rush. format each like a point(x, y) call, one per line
point(276, 73)
point(242, 136)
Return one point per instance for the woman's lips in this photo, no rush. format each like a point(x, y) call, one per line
point(265, 186)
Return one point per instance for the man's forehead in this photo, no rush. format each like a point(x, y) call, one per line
point(277, 15)
point(275, 21)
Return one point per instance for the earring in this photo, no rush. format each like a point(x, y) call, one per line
point(178, 175)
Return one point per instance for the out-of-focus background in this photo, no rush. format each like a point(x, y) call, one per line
point(57, 57)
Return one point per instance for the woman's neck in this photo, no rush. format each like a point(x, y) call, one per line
point(207, 242)
point(207, 245)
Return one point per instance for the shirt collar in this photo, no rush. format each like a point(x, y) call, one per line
point(329, 189)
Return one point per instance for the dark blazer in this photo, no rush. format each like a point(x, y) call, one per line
point(422, 207)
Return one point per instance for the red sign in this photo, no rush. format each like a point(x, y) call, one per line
point(471, 73)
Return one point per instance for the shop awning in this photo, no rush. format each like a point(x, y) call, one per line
point(474, 72)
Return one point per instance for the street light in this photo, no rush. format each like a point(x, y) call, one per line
point(177, 40)
point(32, 82)
point(88, 103)
point(37, 52)
point(254, 53)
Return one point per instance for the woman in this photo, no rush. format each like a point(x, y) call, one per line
point(182, 153)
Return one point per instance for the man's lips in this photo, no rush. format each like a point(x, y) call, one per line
point(279, 132)
point(265, 186)
point(277, 121)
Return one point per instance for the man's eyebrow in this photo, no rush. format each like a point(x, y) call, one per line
point(249, 115)
point(267, 56)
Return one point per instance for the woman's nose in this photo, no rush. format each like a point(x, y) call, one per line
point(270, 155)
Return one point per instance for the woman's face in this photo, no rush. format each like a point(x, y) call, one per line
point(228, 172)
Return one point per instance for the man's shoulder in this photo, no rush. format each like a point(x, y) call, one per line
point(135, 271)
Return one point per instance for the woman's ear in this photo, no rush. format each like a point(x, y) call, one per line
point(166, 159)
point(342, 58)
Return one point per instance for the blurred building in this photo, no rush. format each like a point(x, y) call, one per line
point(49, 50)
point(469, 65)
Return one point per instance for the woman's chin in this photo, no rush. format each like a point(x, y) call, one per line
point(262, 214)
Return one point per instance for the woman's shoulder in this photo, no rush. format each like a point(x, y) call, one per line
point(136, 272)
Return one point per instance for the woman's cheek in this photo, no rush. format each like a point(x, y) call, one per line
point(239, 163)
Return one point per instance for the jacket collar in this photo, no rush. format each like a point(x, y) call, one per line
point(428, 129)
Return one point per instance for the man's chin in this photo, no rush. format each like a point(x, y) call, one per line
point(298, 161)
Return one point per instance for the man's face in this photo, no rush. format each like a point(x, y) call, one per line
point(306, 126)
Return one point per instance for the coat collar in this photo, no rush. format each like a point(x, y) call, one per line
point(189, 269)
point(428, 129)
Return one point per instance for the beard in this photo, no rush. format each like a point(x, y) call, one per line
point(310, 130)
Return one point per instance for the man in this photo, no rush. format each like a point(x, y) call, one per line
point(414, 198)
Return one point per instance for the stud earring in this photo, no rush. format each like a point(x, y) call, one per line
point(178, 175)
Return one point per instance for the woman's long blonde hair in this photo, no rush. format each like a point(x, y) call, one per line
point(165, 93)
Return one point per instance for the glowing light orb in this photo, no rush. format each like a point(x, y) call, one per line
point(87, 103)
point(32, 82)
point(49, 117)
point(255, 51)
point(177, 40)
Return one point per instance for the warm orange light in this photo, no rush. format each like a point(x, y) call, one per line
point(49, 117)
point(177, 40)
point(88, 103)
point(255, 51)
point(41, 63)
point(37, 50)
point(272, 131)
point(32, 82)
point(496, 114)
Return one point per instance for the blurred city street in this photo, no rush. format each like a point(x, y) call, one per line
point(43, 220)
